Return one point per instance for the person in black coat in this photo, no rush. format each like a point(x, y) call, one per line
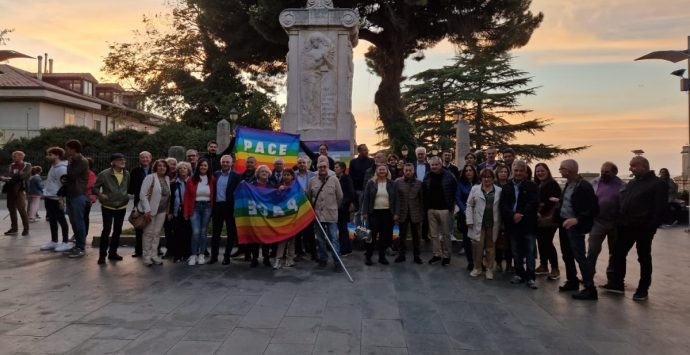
point(575, 215)
point(136, 178)
point(226, 182)
point(349, 197)
point(518, 205)
point(323, 150)
point(358, 167)
point(180, 242)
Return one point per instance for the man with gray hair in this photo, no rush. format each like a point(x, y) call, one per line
point(226, 182)
point(518, 205)
point(642, 207)
point(421, 166)
point(439, 188)
point(576, 215)
point(277, 173)
point(608, 188)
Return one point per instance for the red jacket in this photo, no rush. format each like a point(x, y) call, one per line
point(190, 196)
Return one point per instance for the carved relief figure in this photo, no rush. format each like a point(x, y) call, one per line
point(318, 57)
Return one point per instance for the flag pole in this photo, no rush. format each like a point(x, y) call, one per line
point(331, 245)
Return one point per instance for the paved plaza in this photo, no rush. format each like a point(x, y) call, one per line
point(51, 304)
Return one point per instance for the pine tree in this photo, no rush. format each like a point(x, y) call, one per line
point(488, 89)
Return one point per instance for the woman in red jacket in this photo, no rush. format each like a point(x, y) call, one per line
point(198, 202)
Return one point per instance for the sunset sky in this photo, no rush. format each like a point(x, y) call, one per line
point(581, 58)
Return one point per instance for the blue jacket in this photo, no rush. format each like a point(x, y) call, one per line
point(462, 193)
point(35, 186)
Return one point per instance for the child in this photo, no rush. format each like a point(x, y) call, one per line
point(35, 192)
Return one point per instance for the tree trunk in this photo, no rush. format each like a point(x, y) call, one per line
point(389, 102)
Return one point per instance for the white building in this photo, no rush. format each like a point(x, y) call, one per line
point(30, 102)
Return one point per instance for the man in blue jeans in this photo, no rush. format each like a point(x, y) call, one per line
point(576, 214)
point(75, 192)
point(518, 207)
point(326, 195)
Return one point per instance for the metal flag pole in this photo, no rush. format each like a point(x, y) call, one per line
point(331, 244)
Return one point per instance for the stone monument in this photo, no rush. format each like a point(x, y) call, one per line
point(223, 134)
point(462, 141)
point(319, 81)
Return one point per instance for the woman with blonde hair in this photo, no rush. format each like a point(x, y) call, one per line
point(483, 221)
point(154, 198)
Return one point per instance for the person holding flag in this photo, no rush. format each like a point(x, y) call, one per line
point(325, 194)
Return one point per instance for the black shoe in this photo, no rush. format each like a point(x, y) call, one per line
point(434, 260)
point(338, 268)
point(114, 257)
point(589, 293)
point(76, 253)
point(323, 263)
point(226, 261)
point(383, 260)
point(206, 253)
point(640, 295)
point(400, 258)
point(368, 262)
point(213, 260)
point(609, 287)
point(470, 267)
point(101, 260)
point(418, 260)
point(445, 262)
point(11, 232)
point(136, 255)
point(267, 262)
point(569, 286)
point(347, 253)
point(254, 263)
point(25, 233)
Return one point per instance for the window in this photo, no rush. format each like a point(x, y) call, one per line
point(88, 88)
point(97, 125)
point(113, 126)
point(70, 118)
point(80, 118)
point(117, 98)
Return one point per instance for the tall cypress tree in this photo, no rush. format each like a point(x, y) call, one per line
point(488, 89)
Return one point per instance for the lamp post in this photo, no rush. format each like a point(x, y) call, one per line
point(676, 56)
point(233, 116)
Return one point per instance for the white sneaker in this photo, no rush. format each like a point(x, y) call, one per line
point(148, 261)
point(63, 247)
point(192, 260)
point(489, 274)
point(476, 272)
point(156, 260)
point(49, 246)
point(201, 260)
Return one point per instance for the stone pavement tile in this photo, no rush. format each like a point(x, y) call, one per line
point(191, 311)
point(337, 342)
point(194, 347)
point(119, 333)
point(32, 314)
point(282, 348)
point(615, 348)
point(342, 318)
point(380, 308)
point(457, 311)
point(155, 341)
point(428, 344)
point(307, 307)
point(99, 346)
point(383, 350)
point(297, 330)
point(470, 336)
point(566, 345)
point(521, 345)
point(246, 341)
point(65, 339)
point(11, 344)
point(235, 304)
point(420, 317)
point(213, 328)
point(262, 316)
point(8, 326)
point(38, 329)
point(124, 315)
point(277, 298)
point(380, 332)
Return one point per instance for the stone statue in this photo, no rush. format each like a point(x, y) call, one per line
point(317, 59)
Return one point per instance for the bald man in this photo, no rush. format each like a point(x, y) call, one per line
point(642, 206)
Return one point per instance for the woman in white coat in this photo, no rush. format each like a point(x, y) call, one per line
point(154, 198)
point(483, 222)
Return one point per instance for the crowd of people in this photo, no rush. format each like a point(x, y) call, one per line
point(507, 217)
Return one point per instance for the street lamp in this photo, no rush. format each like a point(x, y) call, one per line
point(676, 56)
point(233, 116)
point(404, 151)
point(434, 150)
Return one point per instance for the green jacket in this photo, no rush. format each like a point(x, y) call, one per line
point(106, 185)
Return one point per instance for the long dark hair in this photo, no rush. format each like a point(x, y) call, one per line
point(463, 178)
point(209, 174)
point(548, 171)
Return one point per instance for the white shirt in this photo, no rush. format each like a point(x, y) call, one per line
point(203, 191)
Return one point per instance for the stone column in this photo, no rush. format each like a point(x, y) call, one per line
point(223, 134)
point(319, 80)
point(462, 142)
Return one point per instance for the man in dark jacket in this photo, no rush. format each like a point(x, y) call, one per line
point(448, 164)
point(642, 206)
point(358, 166)
point(136, 178)
point(409, 211)
point(439, 188)
point(575, 216)
point(15, 187)
point(344, 209)
point(75, 191)
point(226, 182)
point(111, 189)
point(518, 205)
point(212, 155)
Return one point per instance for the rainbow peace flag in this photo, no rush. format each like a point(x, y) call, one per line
point(266, 216)
point(265, 146)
